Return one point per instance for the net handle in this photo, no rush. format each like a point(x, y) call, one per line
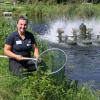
point(2, 56)
point(26, 58)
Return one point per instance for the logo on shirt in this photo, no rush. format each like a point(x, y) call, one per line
point(29, 43)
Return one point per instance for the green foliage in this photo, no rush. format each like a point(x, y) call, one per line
point(86, 10)
point(6, 26)
point(71, 11)
point(43, 11)
point(58, 1)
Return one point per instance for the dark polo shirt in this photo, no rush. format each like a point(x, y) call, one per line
point(19, 46)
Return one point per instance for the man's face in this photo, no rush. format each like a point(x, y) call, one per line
point(22, 26)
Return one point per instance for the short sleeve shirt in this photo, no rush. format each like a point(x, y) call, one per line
point(19, 46)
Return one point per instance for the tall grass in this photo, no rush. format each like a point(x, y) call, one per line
point(87, 11)
point(70, 11)
point(44, 11)
point(6, 26)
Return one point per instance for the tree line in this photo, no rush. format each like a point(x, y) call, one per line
point(58, 1)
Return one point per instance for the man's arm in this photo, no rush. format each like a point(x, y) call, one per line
point(8, 52)
point(36, 51)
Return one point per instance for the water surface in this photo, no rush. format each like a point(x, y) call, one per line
point(84, 64)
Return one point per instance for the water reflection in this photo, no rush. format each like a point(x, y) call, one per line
point(84, 64)
point(40, 28)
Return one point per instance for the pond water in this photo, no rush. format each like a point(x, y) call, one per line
point(83, 62)
point(84, 65)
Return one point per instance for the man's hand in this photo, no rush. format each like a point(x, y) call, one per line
point(36, 53)
point(19, 57)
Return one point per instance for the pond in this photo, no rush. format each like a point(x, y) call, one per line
point(83, 62)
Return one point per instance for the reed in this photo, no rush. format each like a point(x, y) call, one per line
point(44, 11)
point(6, 26)
point(55, 11)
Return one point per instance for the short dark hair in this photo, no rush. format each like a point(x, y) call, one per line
point(23, 18)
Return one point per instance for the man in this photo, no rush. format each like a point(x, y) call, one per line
point(19, 45)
